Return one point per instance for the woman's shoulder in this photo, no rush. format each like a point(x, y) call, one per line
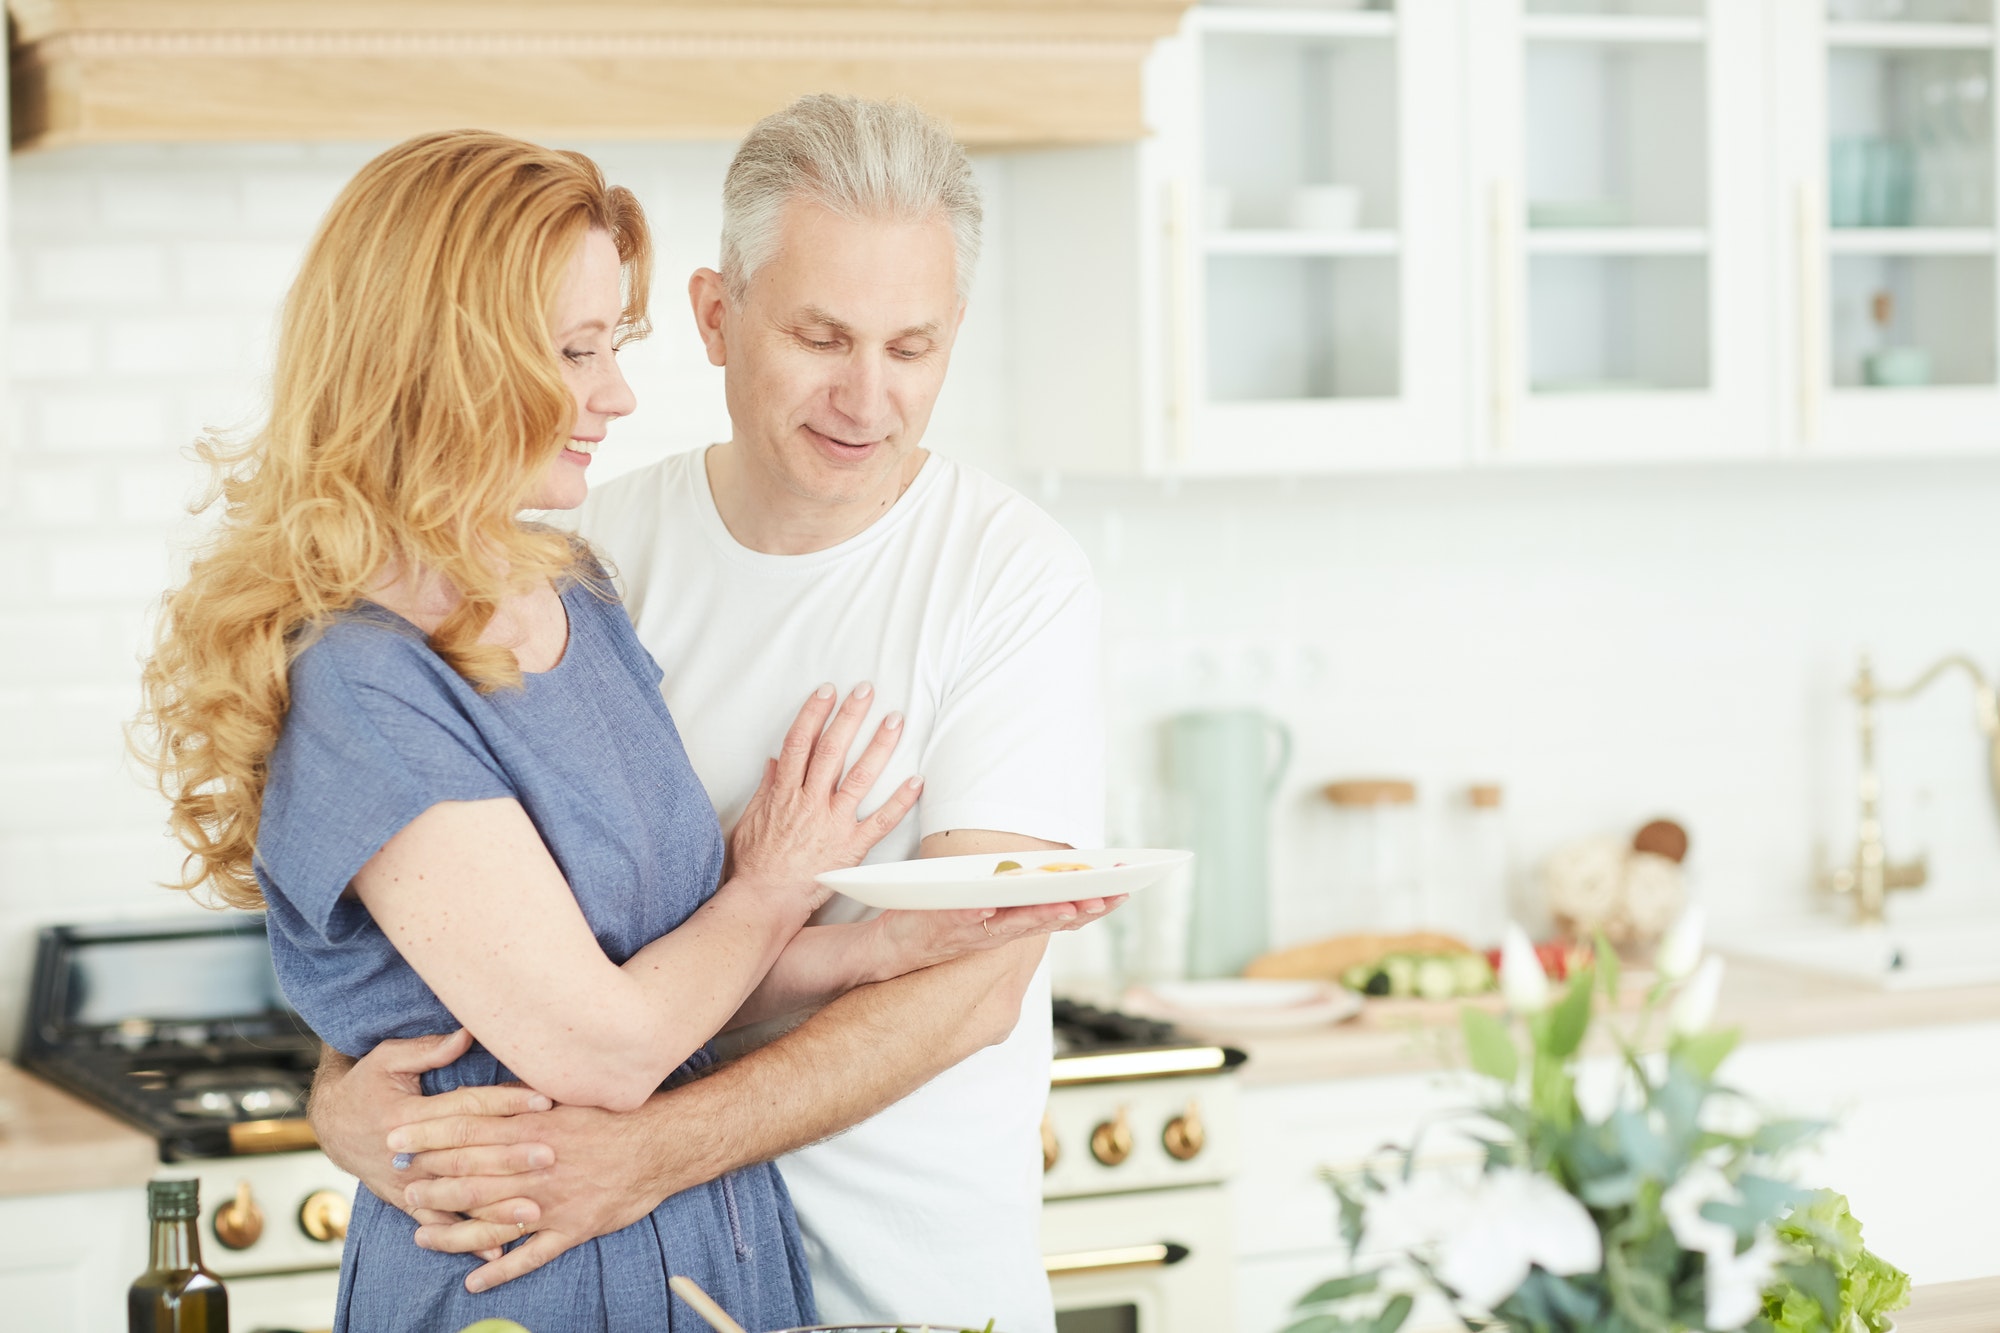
point(368, 651)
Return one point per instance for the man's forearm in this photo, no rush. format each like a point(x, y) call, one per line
point(865, 1051)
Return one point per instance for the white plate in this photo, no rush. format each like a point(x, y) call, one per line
point(1244, 1005)
point(941, 882)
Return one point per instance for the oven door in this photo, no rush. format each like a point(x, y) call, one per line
point(1157, 1261)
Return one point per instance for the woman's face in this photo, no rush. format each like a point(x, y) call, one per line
point(587, 312)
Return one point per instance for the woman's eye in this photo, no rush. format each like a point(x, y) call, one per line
point(575, 356)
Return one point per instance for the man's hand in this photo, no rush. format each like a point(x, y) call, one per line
point(355, 1104)
point(602, 1180)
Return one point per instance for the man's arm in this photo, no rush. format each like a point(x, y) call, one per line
point(863, 1052)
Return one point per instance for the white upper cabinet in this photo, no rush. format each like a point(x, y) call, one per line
point(1887, 119)
point(1624, 236)
point(1396, 234)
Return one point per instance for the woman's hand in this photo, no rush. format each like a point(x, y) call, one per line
point(910, 940)
point(802, 820)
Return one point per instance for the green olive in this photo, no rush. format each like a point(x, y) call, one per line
point(1006, 866)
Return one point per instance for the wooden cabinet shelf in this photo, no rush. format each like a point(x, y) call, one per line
point(1003, 72)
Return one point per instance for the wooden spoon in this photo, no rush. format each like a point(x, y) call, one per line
point(704, 1305)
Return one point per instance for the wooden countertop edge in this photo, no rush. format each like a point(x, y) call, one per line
point(1953, 1307)
point(52, 1143)
point(1770, 1003)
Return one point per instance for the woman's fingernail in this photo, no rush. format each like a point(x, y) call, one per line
point(539, 1103)
point(914, 783)
point(893, 722)
point(823, 692)
point(401, 1161)
point(864, 690)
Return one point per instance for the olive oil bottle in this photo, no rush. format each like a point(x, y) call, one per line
point(176, 1294)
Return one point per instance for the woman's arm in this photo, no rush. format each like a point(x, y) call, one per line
point(822, 963)
point(472, 899)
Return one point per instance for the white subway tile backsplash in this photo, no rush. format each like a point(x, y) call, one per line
point(253, 274)
point(161, 203)
point(140, 346)
point(292, 202)
point(52, 499)
point(118, 570)
point(52, 349)
point(70, 278)
point(89, 419)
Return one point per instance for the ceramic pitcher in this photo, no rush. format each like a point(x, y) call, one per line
point(1224, 766)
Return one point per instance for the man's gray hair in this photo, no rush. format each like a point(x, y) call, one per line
point(858, 158)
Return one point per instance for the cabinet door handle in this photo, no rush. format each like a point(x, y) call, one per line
point(1812, 314)
point(1164, 1254)
point(1180, 337)
point(1506, 298)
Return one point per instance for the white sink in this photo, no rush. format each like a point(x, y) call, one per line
point(1922, 955)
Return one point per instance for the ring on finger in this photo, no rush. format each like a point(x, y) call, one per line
point(524, 1229)
point(983, 926)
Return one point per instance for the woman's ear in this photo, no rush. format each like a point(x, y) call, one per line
point(710, 300)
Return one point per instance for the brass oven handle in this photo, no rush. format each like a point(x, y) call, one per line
point(248, 1136)
point(1161, 1255)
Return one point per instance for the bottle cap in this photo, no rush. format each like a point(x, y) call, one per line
point(173, 1200)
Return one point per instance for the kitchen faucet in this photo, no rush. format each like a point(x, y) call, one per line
point(1871, 877)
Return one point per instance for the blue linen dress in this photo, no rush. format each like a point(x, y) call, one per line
point(379, 729)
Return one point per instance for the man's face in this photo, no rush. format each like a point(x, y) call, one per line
point(837, 352)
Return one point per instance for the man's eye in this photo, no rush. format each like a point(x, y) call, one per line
point(819, 344)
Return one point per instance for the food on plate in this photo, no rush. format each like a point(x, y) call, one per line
point(1052, 868)
point(1426, 976)
point(1330, 959)
point(1558, 958)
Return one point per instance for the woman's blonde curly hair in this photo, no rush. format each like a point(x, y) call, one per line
point(416, 401)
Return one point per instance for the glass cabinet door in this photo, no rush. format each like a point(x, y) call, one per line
point(1318, 238)
point(1622, 229)
point(1893, 147)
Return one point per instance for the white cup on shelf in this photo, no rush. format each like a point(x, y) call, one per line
point(1326, 207)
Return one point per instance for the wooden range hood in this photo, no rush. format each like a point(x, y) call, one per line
point(1003, 72)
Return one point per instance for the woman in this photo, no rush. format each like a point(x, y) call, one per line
point(420, 732)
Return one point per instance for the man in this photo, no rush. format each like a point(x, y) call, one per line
point(821, 542)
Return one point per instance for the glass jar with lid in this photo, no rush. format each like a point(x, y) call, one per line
point(1377, 851)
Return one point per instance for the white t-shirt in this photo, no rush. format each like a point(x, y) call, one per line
point(974, 614)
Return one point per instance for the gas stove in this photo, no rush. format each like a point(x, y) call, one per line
point(176, 1027)
point(1137, 1145)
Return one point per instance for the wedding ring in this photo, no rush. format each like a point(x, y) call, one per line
point(524, 1229)
point(988, 929)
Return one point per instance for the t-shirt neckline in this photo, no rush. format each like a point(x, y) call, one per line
point(724, 541)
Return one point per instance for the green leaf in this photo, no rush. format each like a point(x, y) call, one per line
point(1570, 1019)
point(1784, 1135)
point(1324, 1323)
point(1489, 1045)
point(1392, 1316)
point(1704, 1052)
point(1606, 959)
point(1340, 1288)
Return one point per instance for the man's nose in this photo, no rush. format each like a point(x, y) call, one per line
point(861, 394)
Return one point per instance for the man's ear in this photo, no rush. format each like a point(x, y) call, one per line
point(709, 300)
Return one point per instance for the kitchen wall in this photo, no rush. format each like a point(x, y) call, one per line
point(1610, 645)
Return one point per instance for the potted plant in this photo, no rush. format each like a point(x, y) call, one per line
point(1655, 1202)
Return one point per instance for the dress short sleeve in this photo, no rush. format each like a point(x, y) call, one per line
point(377, 732)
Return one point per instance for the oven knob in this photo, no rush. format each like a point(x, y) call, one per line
point(1051, 1150)
point(1184, 1137)
point(1111, 1141)
point(323, 1216)
point(239, 1222)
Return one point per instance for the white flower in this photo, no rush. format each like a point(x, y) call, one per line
point(1680, 950)
point(1696, 1004)
point(1735, 1282)
point(1522, 980)
point(1516, 1219)
point(1413, 1214)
